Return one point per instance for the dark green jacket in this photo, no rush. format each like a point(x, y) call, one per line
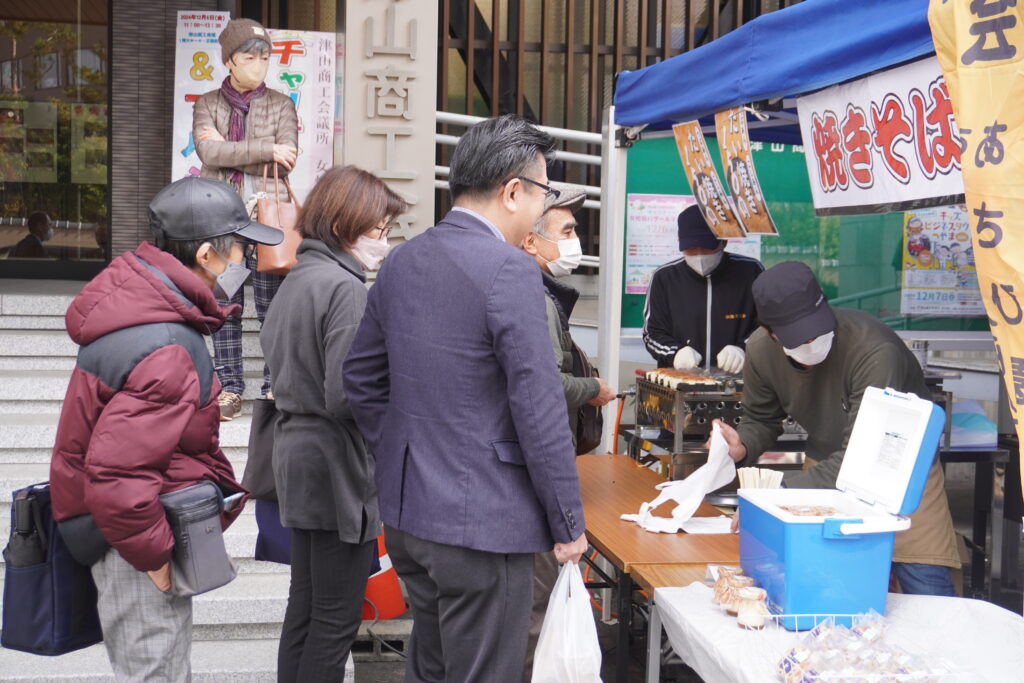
point(561, 298)
point(825, 399)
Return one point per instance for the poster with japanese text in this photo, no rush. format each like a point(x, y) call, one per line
point(740, 176)
point(652, 237)
point(980, 46)
point(704, 181)
point(939, 275)
point(887, 142)
point(302, 65)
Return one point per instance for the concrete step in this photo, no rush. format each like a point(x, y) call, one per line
point(239, 539)
point(237, 455)
point(56, 322)
point(41, 390)
point(28, 431)
point(232, 661)
point(251, 366)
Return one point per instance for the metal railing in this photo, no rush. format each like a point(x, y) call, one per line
point(441, 172)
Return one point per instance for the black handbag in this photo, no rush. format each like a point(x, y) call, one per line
point(49, 598)
point(259, 468)
point(589, 422)
point(199, 561)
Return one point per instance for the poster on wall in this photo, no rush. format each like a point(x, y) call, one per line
point(302, 66)
point(28, 142)
point(740, 176)
point(887, 142)
point(652, 237)
point(703, 178)
point(939, 274)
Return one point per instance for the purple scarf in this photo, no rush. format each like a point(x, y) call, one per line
point(239, 110)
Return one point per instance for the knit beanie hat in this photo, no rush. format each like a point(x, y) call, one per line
point(237, 33)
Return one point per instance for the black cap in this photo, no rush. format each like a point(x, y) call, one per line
point(199, 208)
point(694, 230)
point(790, 301)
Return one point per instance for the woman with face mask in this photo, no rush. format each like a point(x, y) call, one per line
point(322, 467)
point(238, 129)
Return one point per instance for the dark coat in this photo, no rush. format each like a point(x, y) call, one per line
point(675, 313)
point(323, 469)
point(140, 417)
point(453, 381)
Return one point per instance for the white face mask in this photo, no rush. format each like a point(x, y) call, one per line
point(369, 251)
point(570, 254)
point(703, 264)
point(813, 352)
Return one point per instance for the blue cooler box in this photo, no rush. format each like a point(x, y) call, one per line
point(839, 564)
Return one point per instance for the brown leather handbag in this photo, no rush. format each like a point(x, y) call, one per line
point(270, 210)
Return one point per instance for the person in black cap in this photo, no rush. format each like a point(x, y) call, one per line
point(140, 417)
point(699, 307)
point(812, 362)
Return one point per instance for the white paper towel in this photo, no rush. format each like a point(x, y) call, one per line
point(688, 493)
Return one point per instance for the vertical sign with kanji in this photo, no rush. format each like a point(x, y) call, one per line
point(704, 180)
point(980, 46)
point(302, 65)
point(740, 176)
point(390, 87)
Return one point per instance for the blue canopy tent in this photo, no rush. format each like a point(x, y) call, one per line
point(789, 52)
point(785, 53)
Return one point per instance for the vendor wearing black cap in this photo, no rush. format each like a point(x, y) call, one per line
point(813, 363)
point(699, 307)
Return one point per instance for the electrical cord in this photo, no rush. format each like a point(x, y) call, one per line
point(377, 637)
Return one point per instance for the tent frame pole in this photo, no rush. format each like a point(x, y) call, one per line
point(613, 231)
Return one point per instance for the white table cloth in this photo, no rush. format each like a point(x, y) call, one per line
point(981, 640)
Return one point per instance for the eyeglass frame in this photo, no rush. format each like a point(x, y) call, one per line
point(382, 231)
point(548, 190)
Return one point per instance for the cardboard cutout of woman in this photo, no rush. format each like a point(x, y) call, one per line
point(237, 129)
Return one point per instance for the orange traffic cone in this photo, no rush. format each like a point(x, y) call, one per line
point(382, 590)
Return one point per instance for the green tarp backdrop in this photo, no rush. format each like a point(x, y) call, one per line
point(856, 258)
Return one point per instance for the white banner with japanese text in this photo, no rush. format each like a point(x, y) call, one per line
point(302, 65)
point(887, 142)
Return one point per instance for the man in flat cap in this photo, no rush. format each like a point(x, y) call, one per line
point(813, 363)
point(238, 129)
point(555, 247)
point(699, 310)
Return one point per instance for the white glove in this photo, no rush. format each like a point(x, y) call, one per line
point(686, 359)
point(730, 359)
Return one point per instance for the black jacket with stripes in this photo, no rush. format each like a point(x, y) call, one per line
point(675, 313)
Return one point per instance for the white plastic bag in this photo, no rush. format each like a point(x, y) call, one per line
point(567, 650)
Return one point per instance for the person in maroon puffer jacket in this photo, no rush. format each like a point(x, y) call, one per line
point(140, 417)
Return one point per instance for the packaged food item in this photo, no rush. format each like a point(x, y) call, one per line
point(733, 584)
point(751, 611)
point(722, 585)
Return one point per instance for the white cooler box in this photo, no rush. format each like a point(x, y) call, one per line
point(839, 564)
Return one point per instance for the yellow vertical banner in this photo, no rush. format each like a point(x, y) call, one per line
point(980, 46)
point(704, 180)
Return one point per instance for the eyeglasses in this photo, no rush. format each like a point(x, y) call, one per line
point(548, 190)
point(381, 231)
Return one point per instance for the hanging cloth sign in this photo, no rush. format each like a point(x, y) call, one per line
point(740, 176)
point(980, 45)
point(703, 177)
point(887, 142)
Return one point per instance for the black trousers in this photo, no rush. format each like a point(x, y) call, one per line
point(325, 603)
point(470, 610)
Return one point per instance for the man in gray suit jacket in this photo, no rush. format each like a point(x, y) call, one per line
point(452, 381)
